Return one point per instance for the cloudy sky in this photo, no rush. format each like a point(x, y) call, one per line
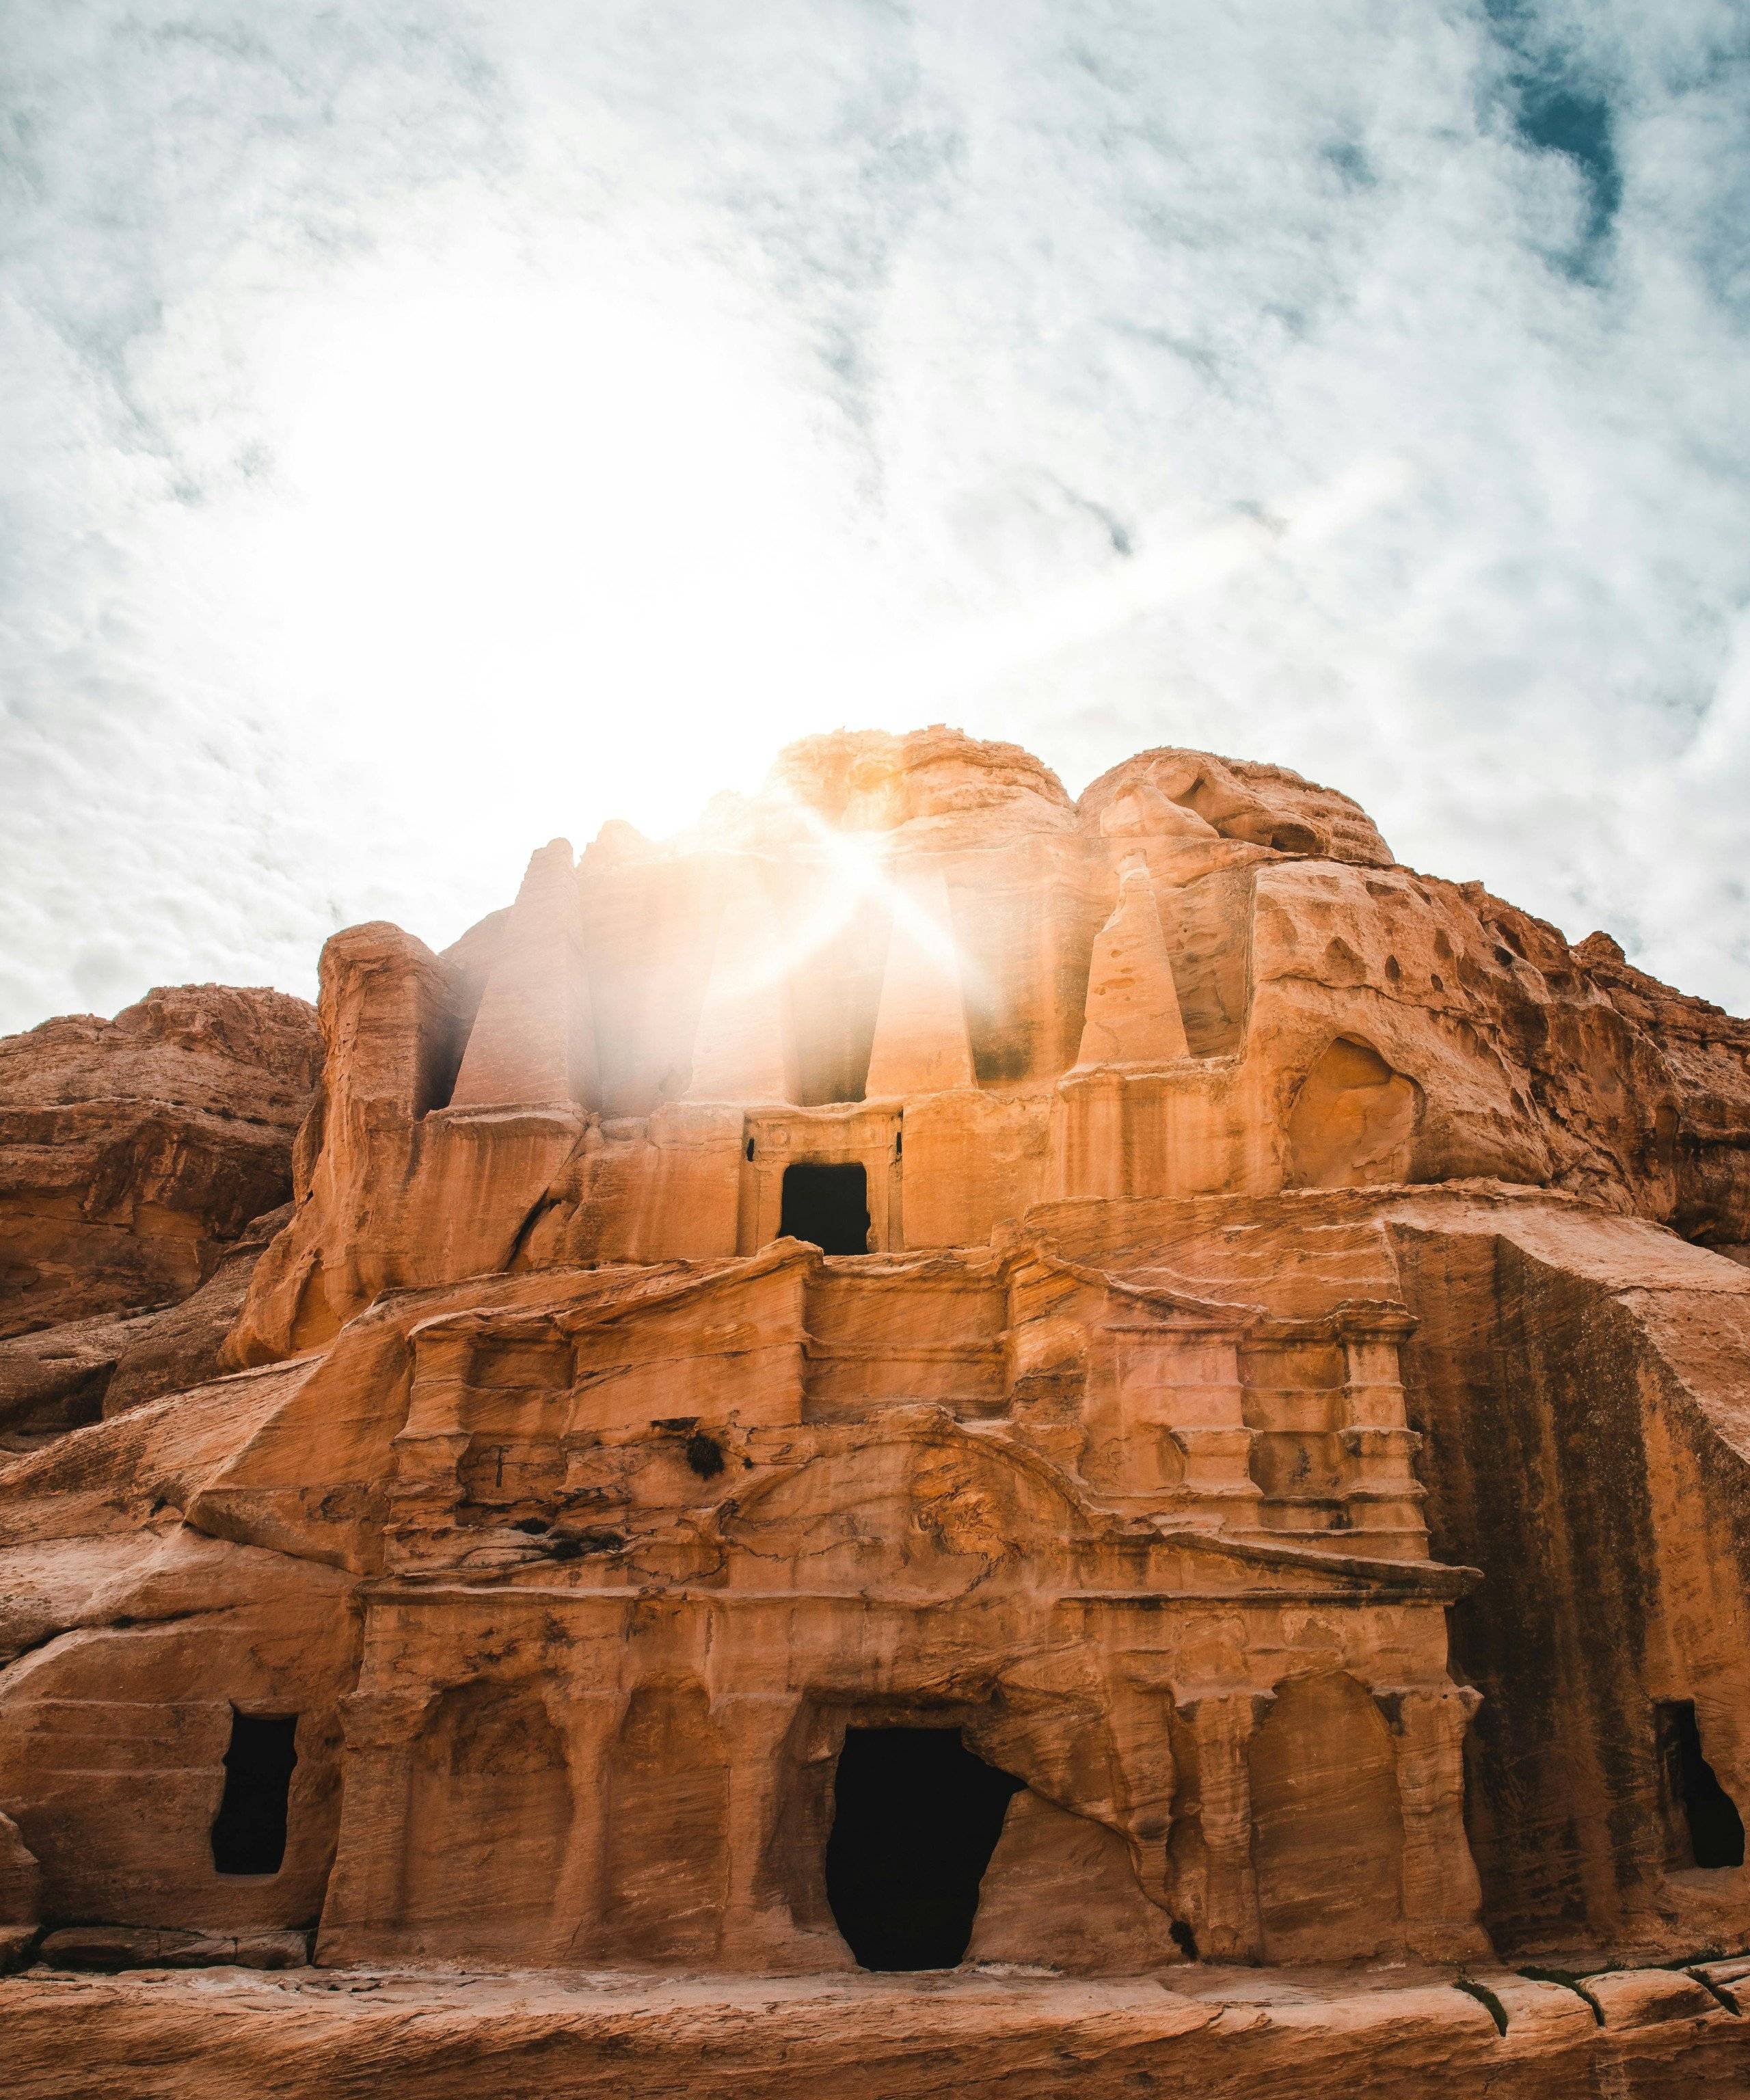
point(428, 429)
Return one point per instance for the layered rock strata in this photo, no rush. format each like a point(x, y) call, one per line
point(930, 1374)
point(142, 1160)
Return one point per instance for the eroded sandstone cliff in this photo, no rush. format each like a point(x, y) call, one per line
point(136, 1156)
point(926, 1374)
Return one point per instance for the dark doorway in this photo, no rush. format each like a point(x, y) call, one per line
point(1705, 1823)
point(915, 1819)
point(828, 1205)
point(249, 1832)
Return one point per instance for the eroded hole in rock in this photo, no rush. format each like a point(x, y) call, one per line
point(828, 1205)
point(1705, 1822)
point(916, 1816)
point(249, 1832)
point(1352, 1121)
point(704, 1455)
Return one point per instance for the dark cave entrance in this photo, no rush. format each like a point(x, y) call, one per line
point(249, 1832)
point(915, 1819)
point(828, 1205)
point(1706, 1827)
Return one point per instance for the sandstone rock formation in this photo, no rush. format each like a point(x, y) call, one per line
point(140, 1160)
point(929, 1373)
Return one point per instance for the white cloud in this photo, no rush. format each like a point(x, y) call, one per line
point(430, 429)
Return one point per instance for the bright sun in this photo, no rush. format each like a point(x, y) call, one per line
point(592, 505)
point(540, 542)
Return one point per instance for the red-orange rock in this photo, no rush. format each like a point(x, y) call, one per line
point(133, 1150)
point(925, 1375)
point(137, 1158)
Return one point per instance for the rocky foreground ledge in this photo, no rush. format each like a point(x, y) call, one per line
point(1210, 2034)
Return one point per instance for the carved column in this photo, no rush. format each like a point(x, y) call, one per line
point(1221, 1724)
point(364, 1909)
point(589, 1721)
point(1207, 1402)
point(1384, 1496)
point(1441, 1893)
point(755, 1726)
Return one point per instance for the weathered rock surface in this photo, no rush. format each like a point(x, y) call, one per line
point(55, 1378)
point(315, 2035)
point(133, 1151)
point(110, 1949)
point(926, 1374)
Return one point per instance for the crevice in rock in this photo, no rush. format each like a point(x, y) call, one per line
point(1485, 1998)
point(1569, 1981)
point(122, 1624)
point(1706, 1827)
point(1714, 1991)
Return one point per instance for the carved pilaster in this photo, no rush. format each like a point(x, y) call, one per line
point(365, 1889)
point(756, 1930)
point(1136, 1714)
point(1384, 1497)
point(432, 1441)
point(588, 1723)
point(1441, 1893)
point(1222, 1725)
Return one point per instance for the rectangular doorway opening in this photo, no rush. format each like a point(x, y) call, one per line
point(249, 1832)
point(828, 1205)
point(1706, 1828)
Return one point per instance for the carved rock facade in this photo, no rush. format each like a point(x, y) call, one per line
point(1139, 1328)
